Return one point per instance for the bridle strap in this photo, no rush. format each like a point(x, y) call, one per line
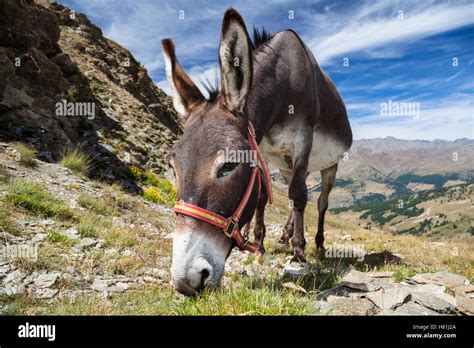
point(253, 142)
point(230, 226)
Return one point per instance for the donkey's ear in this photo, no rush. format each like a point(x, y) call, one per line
point(185, 92)
point(235, 56)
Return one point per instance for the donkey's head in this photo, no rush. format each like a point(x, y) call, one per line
point(203, 177)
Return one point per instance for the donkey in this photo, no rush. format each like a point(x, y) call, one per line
point(301, 125)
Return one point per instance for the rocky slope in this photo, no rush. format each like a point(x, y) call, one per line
point(49, 54)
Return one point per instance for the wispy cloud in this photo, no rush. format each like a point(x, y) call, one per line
point(366, 32)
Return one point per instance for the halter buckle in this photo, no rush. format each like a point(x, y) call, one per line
point(230, 228)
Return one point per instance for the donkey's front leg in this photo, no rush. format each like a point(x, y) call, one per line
point(259, 229)
point(287, 231)
point(298, 193)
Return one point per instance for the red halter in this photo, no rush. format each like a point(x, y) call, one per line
point(230, 226)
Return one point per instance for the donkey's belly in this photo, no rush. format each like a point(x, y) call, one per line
point(326, 152)
point(278, 150)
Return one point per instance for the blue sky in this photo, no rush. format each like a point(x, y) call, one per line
point(399, 51)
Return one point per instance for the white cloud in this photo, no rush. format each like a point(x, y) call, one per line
point(367, 32)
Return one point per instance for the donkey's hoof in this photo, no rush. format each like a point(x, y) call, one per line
point(298, 257)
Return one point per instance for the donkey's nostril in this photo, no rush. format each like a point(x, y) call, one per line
point(204, 276)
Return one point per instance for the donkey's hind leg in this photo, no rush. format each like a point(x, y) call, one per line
point(328, 177)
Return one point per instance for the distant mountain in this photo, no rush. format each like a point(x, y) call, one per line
point(369, 158)
point(378, 169)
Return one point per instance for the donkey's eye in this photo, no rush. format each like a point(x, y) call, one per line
point(227, 168)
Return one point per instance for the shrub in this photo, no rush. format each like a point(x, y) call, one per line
point(160, 190)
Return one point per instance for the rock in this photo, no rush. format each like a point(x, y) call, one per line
point(72, 271)
point(467, 289)
point(464, 303)
point(15, 277)
point(431, 288)
point(46, 280)
point(350, 306)
point(119, 287)
point(382, 258)
point(85, 243)
point(359, 280)
point(444, 278)
point(70, 233)
point(323, 308)
point(99, 285)
point(339, 291)
point(46, 293)
point(4, 270)
point(434, 301)
point(39, 237)
point(387, 274)
point(389, 298)
point(154, 272)
point(46, 222)
point(412, 308)
point(295, 270)
point(14, 289)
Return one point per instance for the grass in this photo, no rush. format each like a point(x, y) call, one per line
point(242, 299)
point(49, 259)
point(76, 160)
point(120, 237)
point(26, 154)
point(34, 198)
point(91, 225)
point(6, 222)
point(53, 236)
point(105, 205)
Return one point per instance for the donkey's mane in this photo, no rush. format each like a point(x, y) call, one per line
point(212, 87)
point(261, 36)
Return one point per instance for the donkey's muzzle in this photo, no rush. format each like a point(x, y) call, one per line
point(195, 279)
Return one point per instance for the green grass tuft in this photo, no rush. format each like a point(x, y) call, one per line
point(76, 160)
point(53, 236)
point(34, 198)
